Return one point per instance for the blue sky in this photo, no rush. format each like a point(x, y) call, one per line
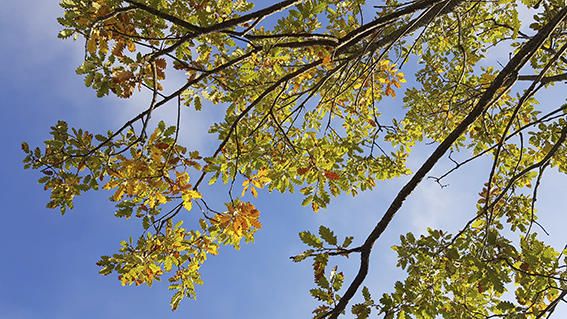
point(48, 261)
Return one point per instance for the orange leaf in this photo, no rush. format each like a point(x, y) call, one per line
point(390, 92)
point(332, 175)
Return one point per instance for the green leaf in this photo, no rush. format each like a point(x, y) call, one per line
point(310, 239)
point(327, 235)
point(347, 242)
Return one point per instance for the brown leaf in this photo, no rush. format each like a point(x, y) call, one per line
point(161, 63)
point(162, 146)
point(525, 266)
point(122, 76)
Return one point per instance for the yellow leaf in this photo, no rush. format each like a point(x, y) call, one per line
point(315, 207)
point(187, 205)
point(477, 224)
point(192, 194)
point(118, 194)
point(212, 249)
point(188, 196)
point(161, 198)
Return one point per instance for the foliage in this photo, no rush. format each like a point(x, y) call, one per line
point(304, 85)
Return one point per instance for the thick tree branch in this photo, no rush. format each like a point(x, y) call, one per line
point(198, 30)
point(544, 80)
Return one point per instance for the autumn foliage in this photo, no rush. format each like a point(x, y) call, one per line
point(307, 88)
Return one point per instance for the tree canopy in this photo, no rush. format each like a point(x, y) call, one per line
point(304, 86)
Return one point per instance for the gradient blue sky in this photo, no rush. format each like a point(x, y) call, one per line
point(48, 261)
